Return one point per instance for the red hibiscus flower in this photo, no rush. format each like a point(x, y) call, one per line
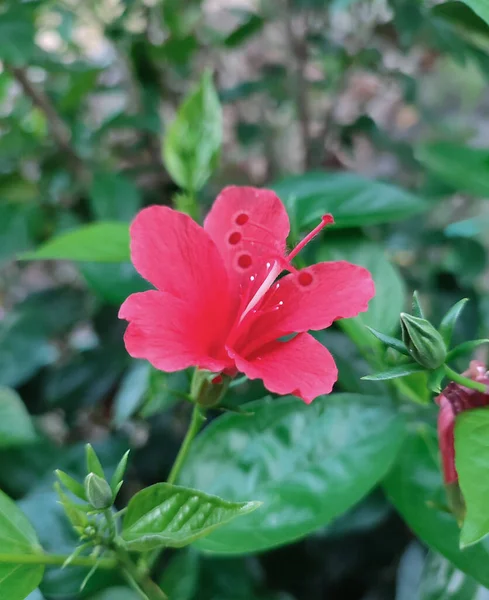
point(455, 399)
point(218, 304)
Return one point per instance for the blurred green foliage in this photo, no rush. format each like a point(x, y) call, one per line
point(373, 111)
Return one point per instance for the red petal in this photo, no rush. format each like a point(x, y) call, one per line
point(170, 333)
point(310, 300)
point(177, 256)
point(250, 227)
point(301, 366)
point(446, 424)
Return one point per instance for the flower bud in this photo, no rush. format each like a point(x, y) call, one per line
point(98, 492)
point(423, 341)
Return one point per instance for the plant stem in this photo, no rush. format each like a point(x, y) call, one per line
point(139, 579)
point(196, 423)
point(57, 560)
point(465, 381)
point(59, 129)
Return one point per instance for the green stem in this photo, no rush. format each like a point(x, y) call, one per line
point(139, 579)
point(196, 423)
point(109, 517)
point(57, 560)
point(465, 381)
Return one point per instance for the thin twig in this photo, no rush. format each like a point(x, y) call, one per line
point(298, 51)
point(59, 130)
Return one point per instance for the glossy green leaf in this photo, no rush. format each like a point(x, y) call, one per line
point(388, 302)
point(414, 485)
point(97, 242)
point(353, 200)
point(16, 426)
point(192, 142)
point(399, 371)
point(181, 576)
point(441, 580)
point(17, 537)
point(449, 321)
point(451, 162)
point(114, 197)
point(307, 464)
point(165, 515)
point(480, 7)
point(472, 460)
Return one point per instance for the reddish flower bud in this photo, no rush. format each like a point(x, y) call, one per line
point(455, 399)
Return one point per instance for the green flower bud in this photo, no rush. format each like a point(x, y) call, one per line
point(423, 341)
point(98, 492)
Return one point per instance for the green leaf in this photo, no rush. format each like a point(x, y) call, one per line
point(113, 282)
point(165, 515)
point(16, 224)
point(93, 463)
point(460, 13)
point(193, 141)
point(417, 309)
point(16, 428)
point(27, 329)
point(17, 537)
point(388, 302)
point(468, 228)
point(253, 25)
point(449, 321)
point(17, 35)
point(414, 485)
point(389, 341)
point(96, 242)
point(307, 464)
point(353, 200)
point(451, 162)
point(399, 371)
point(74, 486)
point(465, 348)
point(480, 7)
point(181, 575)
point(117, 593)
point(131, 393)
point(472, 461)
point(119, 473)
point(441, 580)
point(114, 197)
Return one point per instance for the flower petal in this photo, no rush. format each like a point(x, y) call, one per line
point(446, 426)
point(250, 227)
point(170, 333)
point(310, 299)
point(301, 366)
point(177, 256)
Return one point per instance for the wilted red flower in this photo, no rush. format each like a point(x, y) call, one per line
point(455, 399)
point(218, 305)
